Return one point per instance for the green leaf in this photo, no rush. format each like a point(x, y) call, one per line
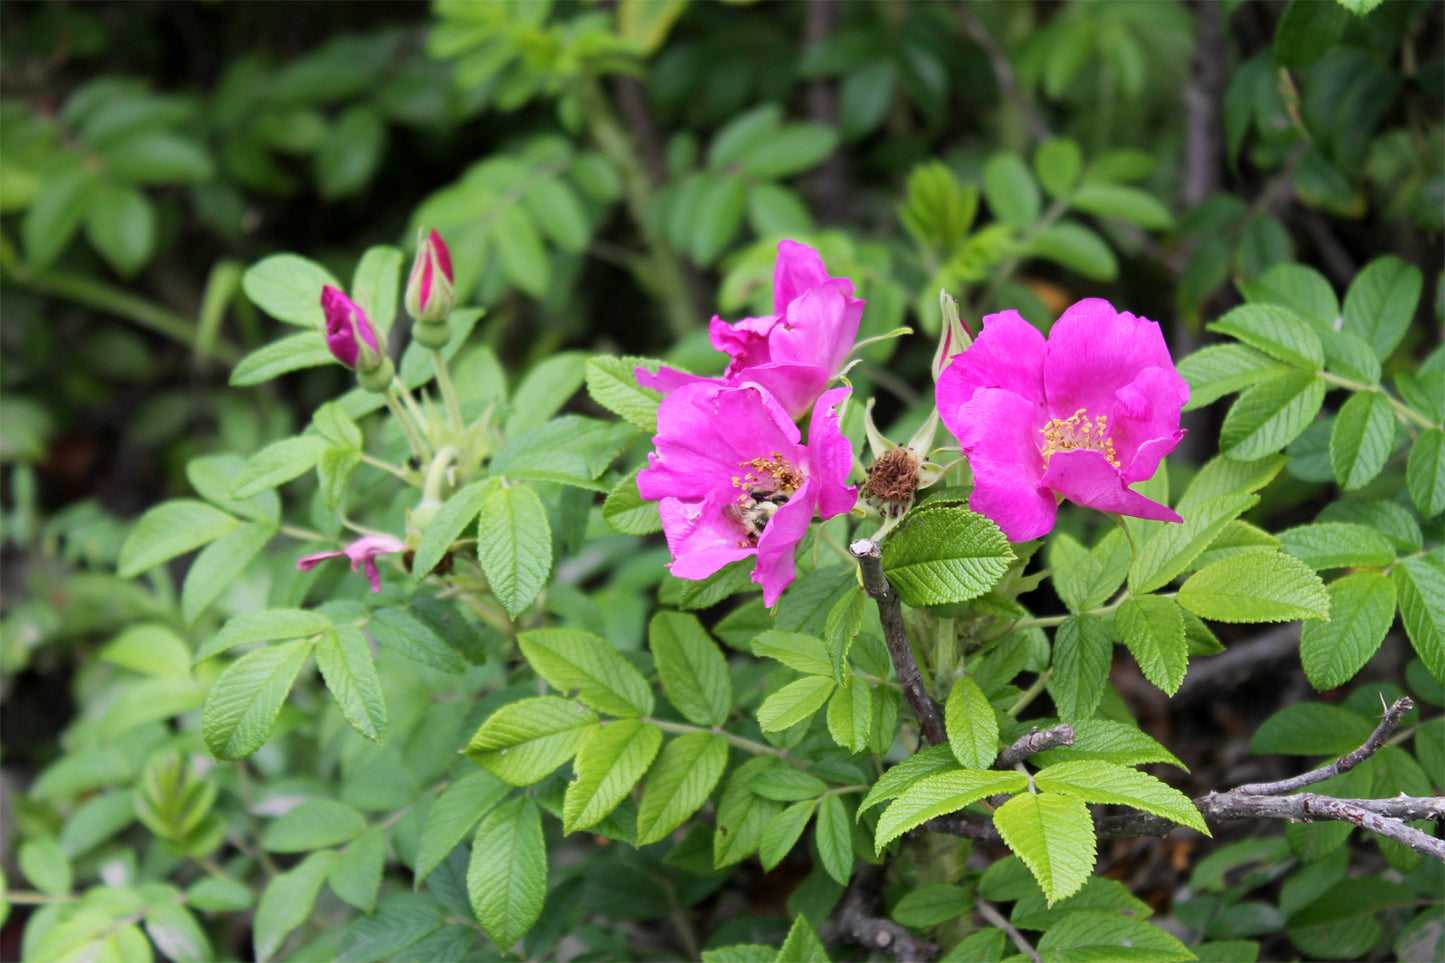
point(625, 510)
point(514, 544)
point(692, 669)
point(170, 529)
point(150, 648)
point(1420, 587)
point(288, 288)
point(1364, 608)
point(355, 877)
point(313, 824)
point(1222, 369)
point(1171, 548)
point(397, 630)
point(453, 815)
point(545, 389)
point(1306, 31)
point(1058, 162)
point(295, 351)
point(1010, 190)
point(777, 210)
point(520, 251)
point(446, 527)
point(1276, 331)
point(1095, 578)
point(1271, 414)
point(945, 555)
point(784, 832)
point(718, 215)
point(557, 210)
point(1345, 921)
point(1077, 248)
point(850, 714)
point(1104, 782)
point(1097, 895)
point(1302, 289)
point(1390, 519)
point(834, 835)
point(220, 564)
point(612, 384)
point(783, 784)
point(345, 662)
point(794, 149)
point(679, 782)
point(1126, 203)
point(1152, 628)
point(972, 727)
point(1425, 472)
point(1381, 302)
point(332, 471)
point(1054, 835)
point(376, 286)
point(175, 932)
point(524, 741)
point(804, 653)
point(121, 224)
point(1257, 587)
point(1083, 652)
point(802, 945)
point(1362, 439)
point(1110, 741)
point(403, 922)
point(794, 702)
point(572, 659)
point(278, 462)
point(351, 152)
point(1088, 935)
point(43, 863)
point(53, 216)
point(269, 626)
point(926, 762)
point(609, 763)
point(287, 902)
point(507, 875)
point(246, 698)
point(742, 815)
point(845, 619)
point(1225, 476)
point(156, 157)
point(939, 795)
point(1326, 545)
point(1311, 729)
point(933, 904)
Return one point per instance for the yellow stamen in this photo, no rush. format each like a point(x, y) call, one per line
point(773, 473)
point(1079, 431)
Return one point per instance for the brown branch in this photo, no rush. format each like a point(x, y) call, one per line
point(995, 918)
point(895, 634)
point(827, 185)
point(1035, 741)
point(873, 933)
point(1345, 763)
point(1203, 150)
point(1003, 72)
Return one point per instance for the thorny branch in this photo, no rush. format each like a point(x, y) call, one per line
point(873, 933)
point(1036, 740)
point(1372, 745)
point(895, 634)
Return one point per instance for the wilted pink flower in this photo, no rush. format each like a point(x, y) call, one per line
point(429, 296)
point(363, 551)
point(349, 333)
point(793, 352)
point(1082, 416)
point(735, 482)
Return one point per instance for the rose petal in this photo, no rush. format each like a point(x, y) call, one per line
point(1009, 353)
point(1086, 478)
point(830, 456)
point(701, 539)
point(999, 431)
point(779, 542)
point(1094, 352)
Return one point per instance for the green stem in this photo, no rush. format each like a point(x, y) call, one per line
point(448, 392)
point(747, 745)
point(1052, 620)
point(1031, 693)
point(387, 467)
point(1402, 411)
point(418, 446)
point(35, 899)
point(305, 534)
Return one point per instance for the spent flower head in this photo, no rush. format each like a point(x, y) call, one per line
point(362, 552)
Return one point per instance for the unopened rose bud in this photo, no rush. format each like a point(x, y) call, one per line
point(429, 294)
point(349, 333)
point(954, 338)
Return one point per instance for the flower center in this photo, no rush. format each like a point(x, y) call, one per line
point(1078, 431)
point(774, 474)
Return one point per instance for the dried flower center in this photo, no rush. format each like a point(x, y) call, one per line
point(893, 481)
point(1079, 431)
point(774, 474)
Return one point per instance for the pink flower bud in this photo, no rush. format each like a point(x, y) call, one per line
point(429, 295)
point(349, 333)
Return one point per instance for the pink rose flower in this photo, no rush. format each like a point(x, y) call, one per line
point(363, 551)
point(1081, 416)
point(429, 294)
point(735, 482)
point(793, 352)
point(349, 332)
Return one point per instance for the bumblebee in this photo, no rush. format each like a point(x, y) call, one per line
point(754, 512)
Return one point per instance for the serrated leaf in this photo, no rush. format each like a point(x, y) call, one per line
point(1311, 729)
point(176, 933)
point(1097, 576)
point(277, 463)
point(834, 835)
point(355, 877)
point(1076, 248)
point(939, 795)
point(403, 922)
point(613, 385)
point(1362, 439)
point(1257, 587)
point(1087, 935)
point(1425, 472)
point(1152, 629)
point(287, 902)
point(1054, 836)
point(692, 669)
point(972, 727)
point(1171, 548)
point(794, 702)
point(944, 556)
point(453, 815)
point(1104, 782)
point(933, 904)
point(345, 662)
point(514, 544)
point(608, 764)
point(291, 353)
point(246, 698)
point(1223, 369)
point(1275, 330)
point(1332, 652)
point(742, 815)
point(170, 529)
point(679, 782)
point(268, 626)
point(412, 638)
point(932, 761)
point(1271, 414)
point(1381, 301)
point(570, 659)
point(1083, 652)
point(784, 832)
point(850, 714)
point(802, 945)
point(804, 653)
point(1326, 545)
point(1420, 588)
point(288, 288)
point(1226, 476)
point(507, 875)
point(625, 510)
point(313, 824)
point(221, 563)
point(1110, 741)
point(447, 526)
point(784, 784)
point(524, 741)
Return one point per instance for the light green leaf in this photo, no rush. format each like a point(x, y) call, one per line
point(524, 741)
point(1110, 741)
point(333, 469)
point(1058, 162)
point(1223, 369)
point(1326, 545)
point(245, 699)
point(1420, 587)
point(1054, 835)
point(845, 618)
point(784, 832)
point(1362, 439)
point(570, 659)
point(1170, 550)
point(288, 288)
point(1104, 782)
point(972, 727)
point(1257, 587)
point(355, 877)
point(313, 824)
point(545, 389)
point(794, 702)
point(609, 763)
point(1126, 203)
point(221, 563)
point(287, 902)
point(345, 662)
point(1225, 476)
point(1381, 301)
point(170, 529)
point(507, 875)
point(1364, 608)
point(802, 945)
point(1088, 935)
point(926, 762)
point(291, 353)
point(1311, 729)
point(453, 815)
point(56, 212)
point(1010, 190)
point(850, 715)
point(397, 630)
point(834, 835)
point(514, 544)
point(742, 815)
point(1076, 248)
point(679, 782)
point(1276, 331)
point(557, 210)
point(625, 510)
point(1425, 472)
point(43, 863)
point(612, 384)
point(692, 669)
point(1083, 652)
point(719, 212)
point(939, 795)
point(268, 626)
point(784, 784)
point(277, 463)
point(945, 555)
point(1152, 628)
point(376, 284)
point(792, 150)
point(175, 932)
point(804, 653)
point(121, 224)
point(1093, 580)
point(151, 648)
point(1271, 414)
point(446, 527)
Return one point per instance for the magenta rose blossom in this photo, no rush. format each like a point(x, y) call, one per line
point(734, 480)
point(1081, 416)
point(363, 551)
point(795, 351)
point(349, 332)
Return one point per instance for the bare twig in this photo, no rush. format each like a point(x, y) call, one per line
point(827, 184)
point(1202, 98)
point(873, 933)
point(1035, 741)
point(1003, 72)
point(1372, 745)
point(895, 634)
point(996, 918)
